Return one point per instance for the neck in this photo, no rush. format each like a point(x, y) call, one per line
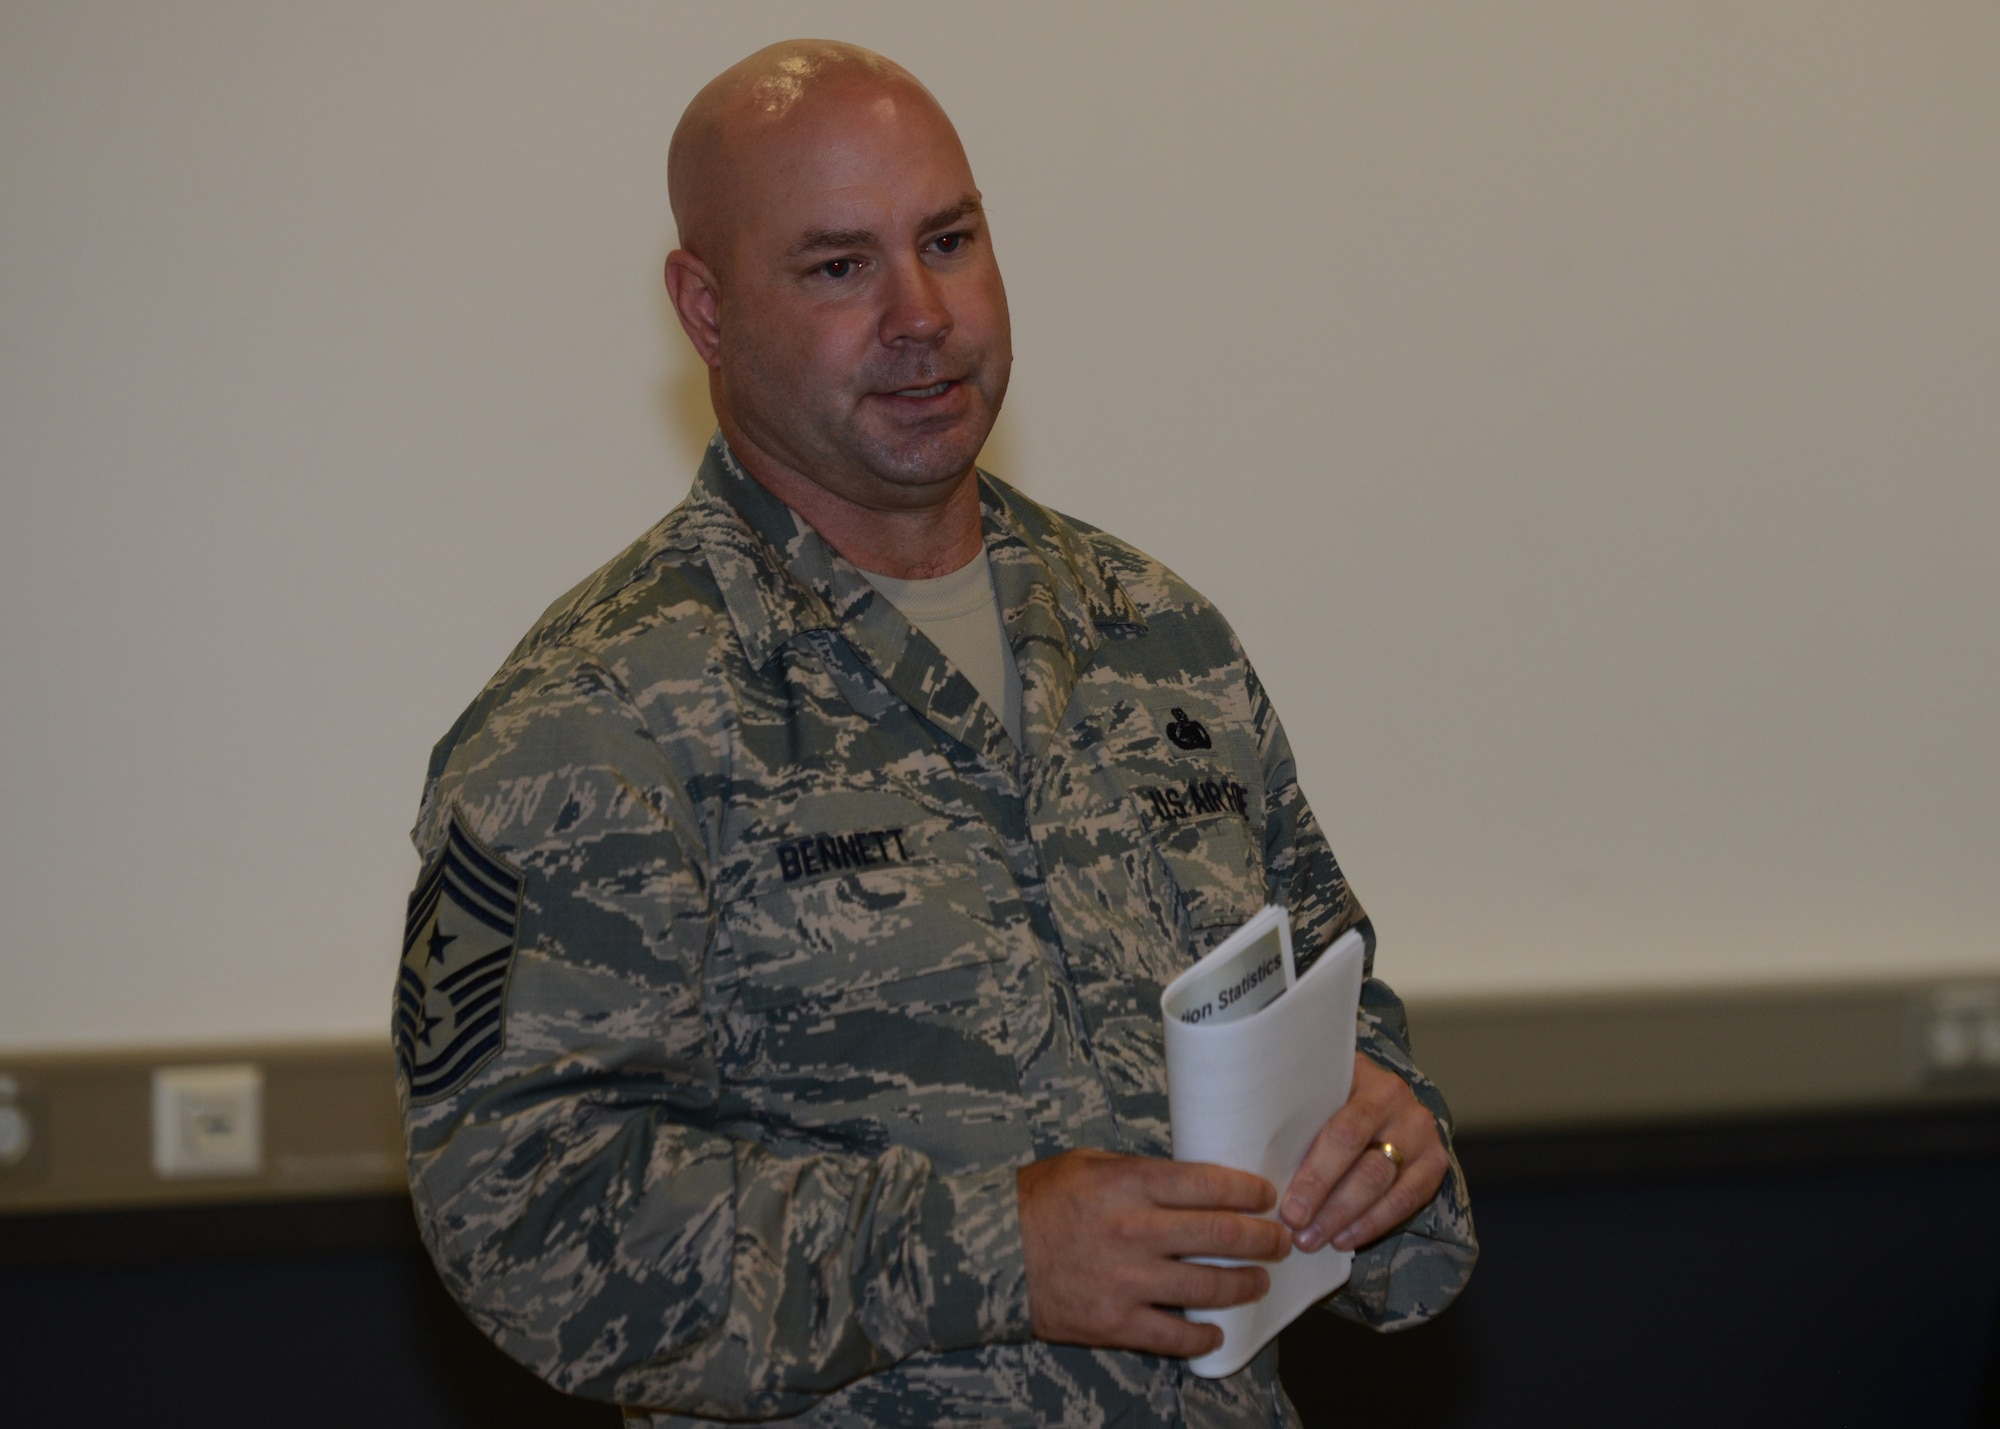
point(906, 542)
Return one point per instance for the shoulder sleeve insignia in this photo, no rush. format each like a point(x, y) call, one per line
point(458, 949)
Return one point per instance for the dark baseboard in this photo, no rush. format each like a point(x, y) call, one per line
point(1804, 1145)
point(159, 1235)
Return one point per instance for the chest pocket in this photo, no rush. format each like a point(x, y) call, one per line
point(1200, 829)
point(1182, 765)
point(1144, 874)
point(857, 1003)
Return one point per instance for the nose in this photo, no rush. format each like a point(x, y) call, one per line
point(916, 311)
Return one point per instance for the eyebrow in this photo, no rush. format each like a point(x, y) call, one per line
point(819, 240)
point(946, 217)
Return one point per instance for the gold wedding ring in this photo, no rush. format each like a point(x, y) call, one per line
point(1388, 1149)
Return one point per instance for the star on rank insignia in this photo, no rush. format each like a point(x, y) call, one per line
point(458, 948)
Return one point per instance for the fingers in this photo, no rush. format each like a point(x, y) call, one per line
point(1365, 1182)
point(1160, 1332)
point(1195, 1209)
point(1202, 1184)
point(1104, 1238)
point(1189, 1285)
point(1212, 1287)
point(1223, 1234)
point(1372, 1104)
point(1132, 1310)
point(1410, 1192)
point(1211, 1211)
point(1348, 1192)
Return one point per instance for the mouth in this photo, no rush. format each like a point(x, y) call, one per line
point(936, 389)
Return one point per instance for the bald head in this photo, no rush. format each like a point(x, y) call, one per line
point(729, 129)
point(836, 275)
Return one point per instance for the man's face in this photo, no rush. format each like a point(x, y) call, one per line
point(864, 340)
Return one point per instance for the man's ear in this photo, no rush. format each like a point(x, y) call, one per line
point(697, 301)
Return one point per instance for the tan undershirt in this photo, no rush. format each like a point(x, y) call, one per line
point(961, 615)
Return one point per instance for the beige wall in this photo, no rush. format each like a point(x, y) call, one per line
point(1585, 412)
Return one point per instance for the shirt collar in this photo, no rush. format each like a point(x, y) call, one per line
point(780, 579)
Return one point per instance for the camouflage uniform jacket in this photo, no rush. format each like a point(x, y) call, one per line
point(751, 958)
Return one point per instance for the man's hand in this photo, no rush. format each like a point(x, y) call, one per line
point(1103, 1236)
point(1348, 1192)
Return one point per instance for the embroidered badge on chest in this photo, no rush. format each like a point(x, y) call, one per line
point(1187, 733)
point(458, 949)
point(1198, 798)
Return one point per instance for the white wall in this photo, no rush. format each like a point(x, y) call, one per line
point(1587, 414)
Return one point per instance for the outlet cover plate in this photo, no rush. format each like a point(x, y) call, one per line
point(22, 1138)
point(208, 1120)
point(1960, 1036)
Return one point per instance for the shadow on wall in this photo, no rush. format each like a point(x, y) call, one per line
point(683, 390)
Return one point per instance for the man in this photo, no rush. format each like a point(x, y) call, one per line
point(778, 1026)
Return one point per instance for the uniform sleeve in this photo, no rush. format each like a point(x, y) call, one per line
point(579, 1192)
point(1404, 1278)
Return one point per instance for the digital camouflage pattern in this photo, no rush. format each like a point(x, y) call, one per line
point(809, 959)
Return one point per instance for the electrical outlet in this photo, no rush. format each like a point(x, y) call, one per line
point(17, 1125)
point(1961, 1034)
point(208, 1121)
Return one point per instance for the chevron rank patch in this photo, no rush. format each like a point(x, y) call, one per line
point(458, 949)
